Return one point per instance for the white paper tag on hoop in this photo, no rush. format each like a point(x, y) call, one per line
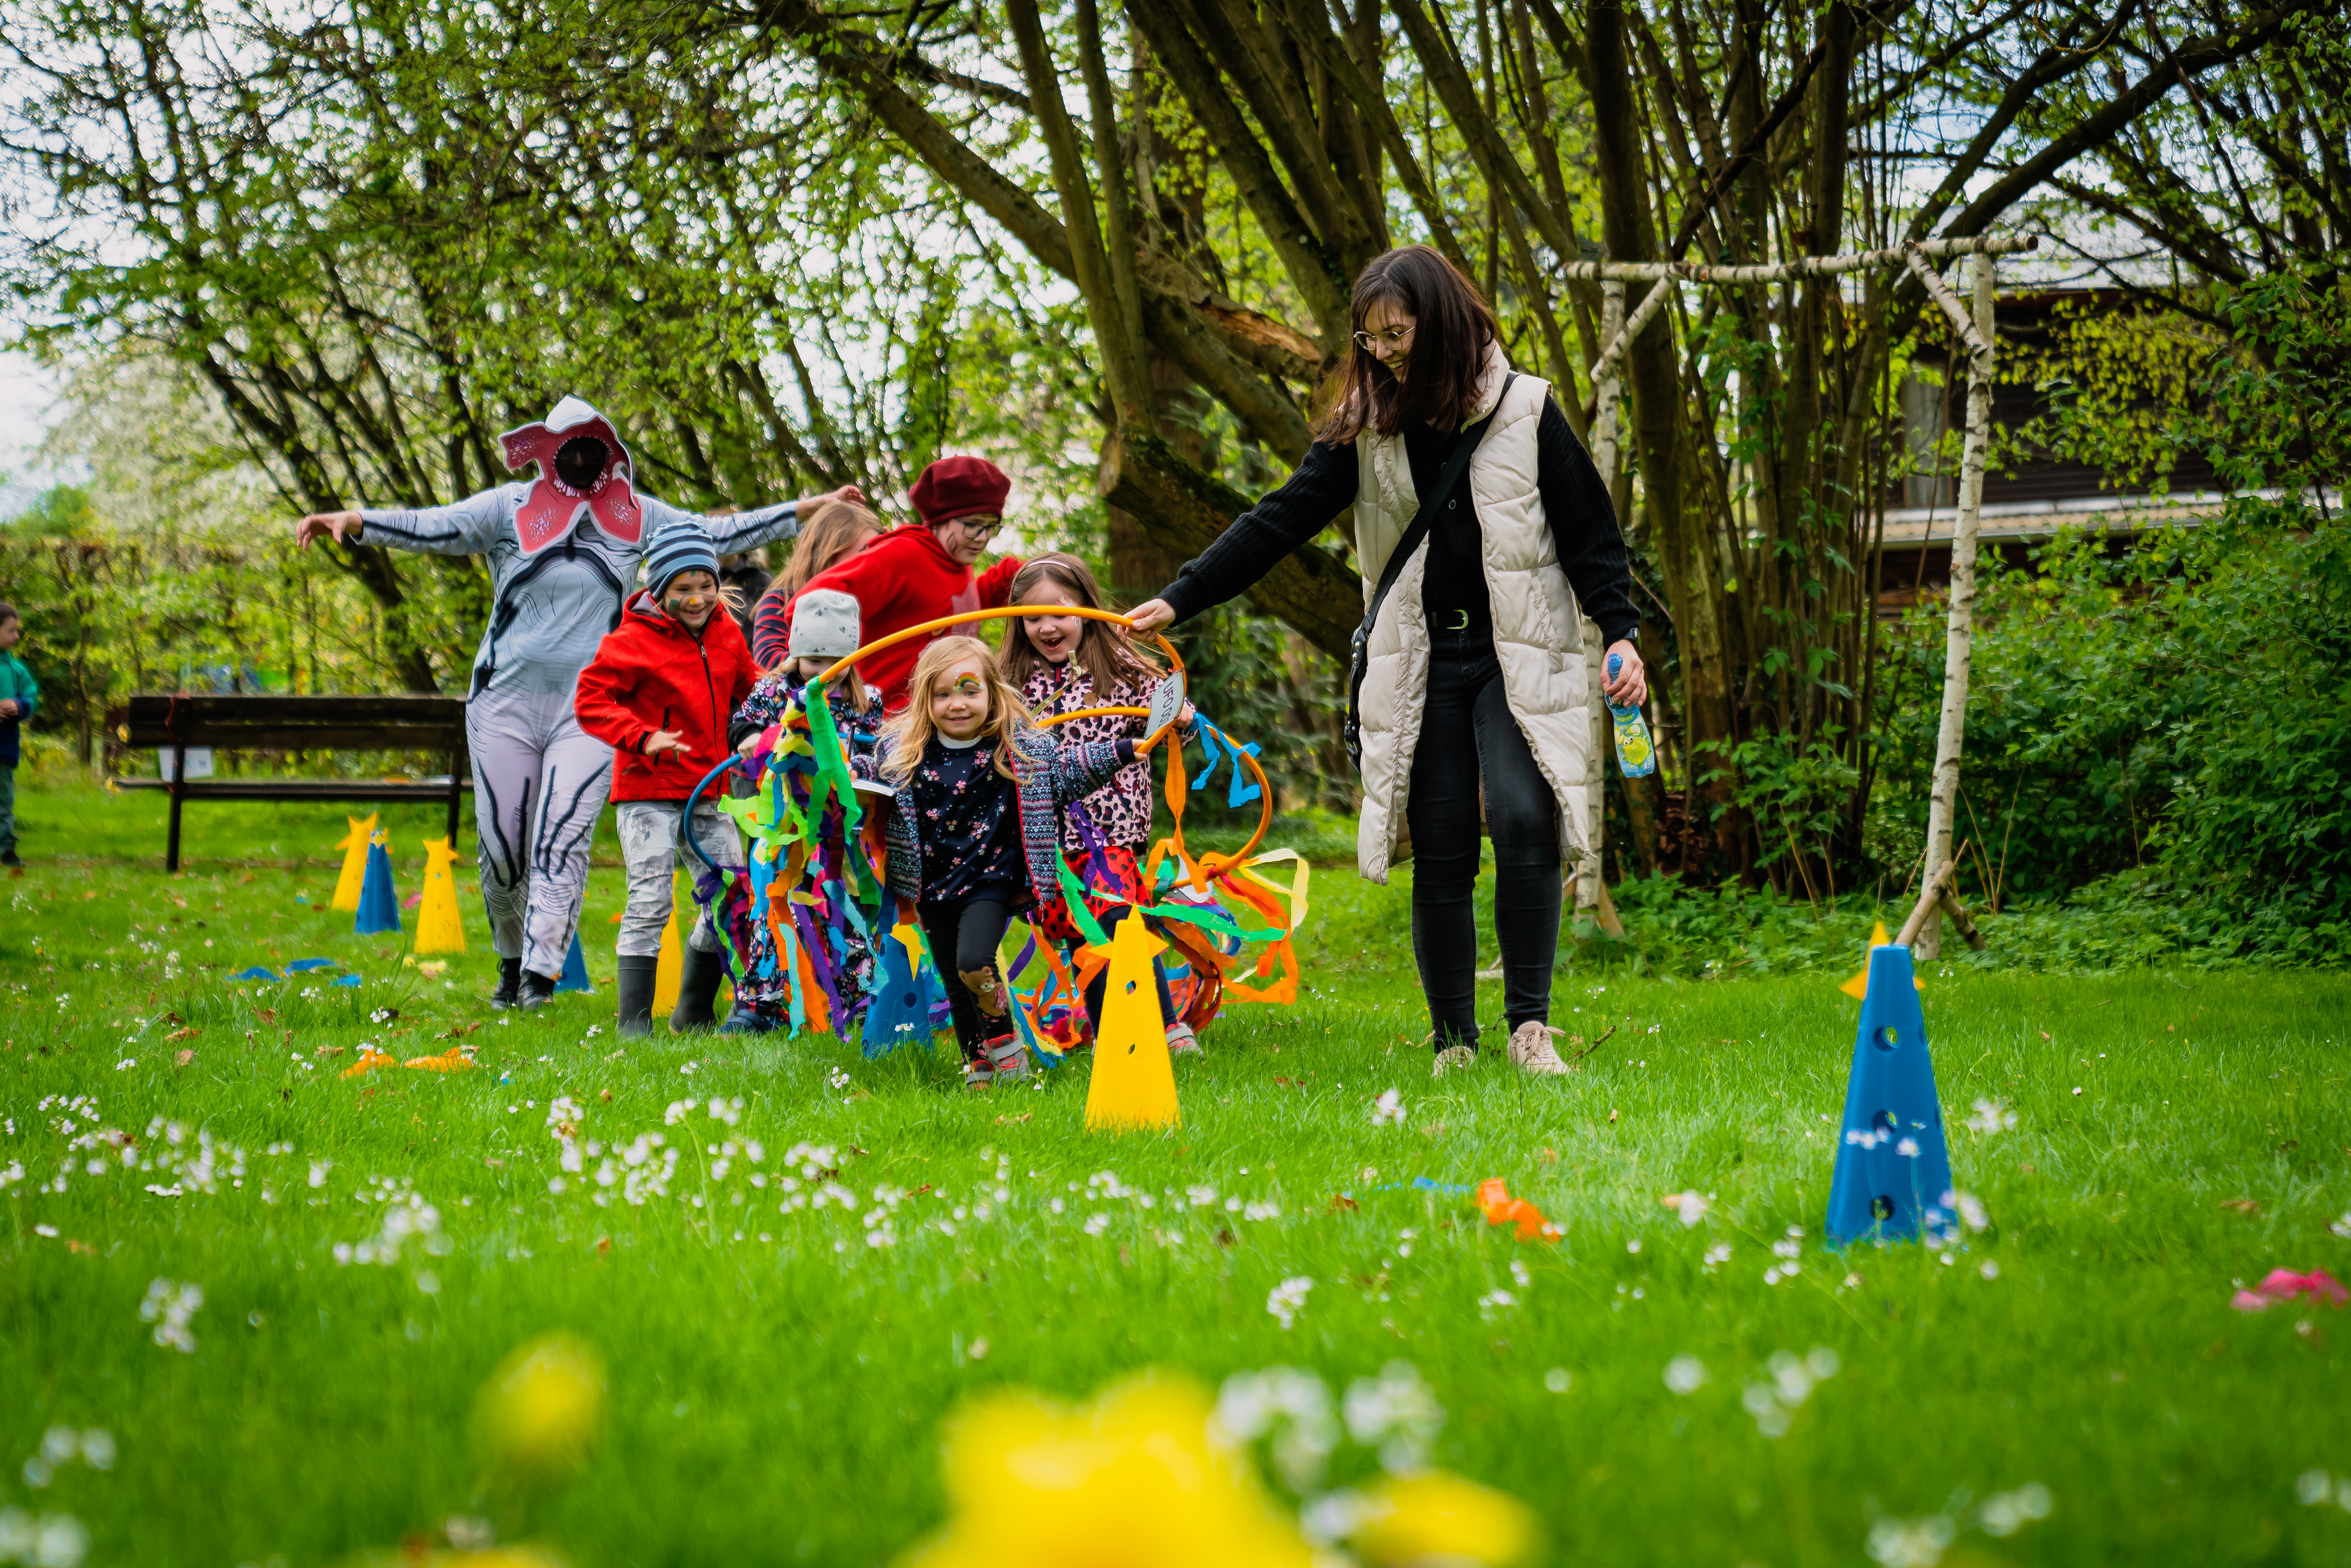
point(1167, 705)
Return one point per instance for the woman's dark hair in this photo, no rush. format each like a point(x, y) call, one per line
point(578, 460)
point(1454, 327)
point(1104, 650)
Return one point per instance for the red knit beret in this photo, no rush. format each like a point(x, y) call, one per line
point(957, 487)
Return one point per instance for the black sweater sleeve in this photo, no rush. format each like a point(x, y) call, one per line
point(1321, 487)
point(1583, 526)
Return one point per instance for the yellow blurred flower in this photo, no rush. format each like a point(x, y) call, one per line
point(1129, 1481)
point(538, 1417)
point(1440, 1519)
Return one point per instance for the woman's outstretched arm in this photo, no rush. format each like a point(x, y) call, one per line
point(1323, 487)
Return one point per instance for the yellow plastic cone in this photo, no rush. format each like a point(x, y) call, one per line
point(354, 877)
point(1858, 986)
point(669, 971)
point(440, 920)
point(1133, 1084)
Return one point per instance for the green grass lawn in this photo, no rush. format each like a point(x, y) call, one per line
point(778, 1380)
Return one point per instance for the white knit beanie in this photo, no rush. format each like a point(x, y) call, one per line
point(824, 626)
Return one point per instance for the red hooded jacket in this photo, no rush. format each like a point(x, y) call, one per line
point(904, 578)
point(654, 674)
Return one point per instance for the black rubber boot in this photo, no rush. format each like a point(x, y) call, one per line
point(636, 989)
point(509, 990)
point(538, 990)
point(697, 989)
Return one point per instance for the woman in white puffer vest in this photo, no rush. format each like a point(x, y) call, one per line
point(1475, 680)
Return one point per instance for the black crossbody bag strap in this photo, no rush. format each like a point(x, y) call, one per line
point(1359, 652)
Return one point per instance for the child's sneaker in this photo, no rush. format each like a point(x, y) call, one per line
point(1007, 1057)
point(747, 1020)
point(978, 1076)
point(1181, 1041)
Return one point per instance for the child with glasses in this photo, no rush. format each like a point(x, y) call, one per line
point(922, 572)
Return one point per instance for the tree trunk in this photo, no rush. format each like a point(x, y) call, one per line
point(1959, 641)
point(1654, 372)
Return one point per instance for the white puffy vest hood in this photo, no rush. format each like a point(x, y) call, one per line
point(1538, 627)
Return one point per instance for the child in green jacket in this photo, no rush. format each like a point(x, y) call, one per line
point(19, 696)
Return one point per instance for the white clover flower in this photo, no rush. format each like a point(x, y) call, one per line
point(1388, 1109)
point(1289, 1403)
point(1991, 1116)
point(171, 1307)
point(2006, 1512)
point(1493, 1303)
point(1716, 1255)
point(1685, 1374)
point(2313, 1488)
point(1911, 1543)
point(1398, 1413)
point(1286, 1299)
point(1690, 1206)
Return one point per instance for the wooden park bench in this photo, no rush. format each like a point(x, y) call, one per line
point(172, 722)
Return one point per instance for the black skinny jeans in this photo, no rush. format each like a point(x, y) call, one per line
point(1467, 734)
point(964, 934)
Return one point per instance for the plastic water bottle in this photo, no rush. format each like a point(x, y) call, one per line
point(1634, 752)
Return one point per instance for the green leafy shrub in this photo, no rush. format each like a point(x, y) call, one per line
point(2183, 709)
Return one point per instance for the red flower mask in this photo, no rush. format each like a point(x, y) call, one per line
point(552, 507)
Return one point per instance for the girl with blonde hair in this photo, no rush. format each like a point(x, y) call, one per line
point(975, 829)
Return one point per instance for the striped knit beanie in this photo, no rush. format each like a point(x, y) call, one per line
point(678, 547)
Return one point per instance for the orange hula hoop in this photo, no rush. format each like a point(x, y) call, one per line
point(1214, 864)
point(1009, 612)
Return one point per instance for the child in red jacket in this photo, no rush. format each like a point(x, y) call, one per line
point(922, 572)
point(660, 693)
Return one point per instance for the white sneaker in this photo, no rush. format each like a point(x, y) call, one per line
point(1182, 1042)
point(1454, 1057)
point(1532, 1051)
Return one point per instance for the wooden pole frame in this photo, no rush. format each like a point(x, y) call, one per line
point(1973, 322)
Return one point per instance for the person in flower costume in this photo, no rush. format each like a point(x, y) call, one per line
point(563, 553)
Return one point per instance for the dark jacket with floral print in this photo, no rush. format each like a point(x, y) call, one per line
point(772, 692)
point(1050, 775)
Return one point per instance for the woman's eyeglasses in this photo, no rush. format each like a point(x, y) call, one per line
point(1367, 341)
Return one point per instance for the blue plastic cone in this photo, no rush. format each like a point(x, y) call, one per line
point(901, 1010)
point(1892, 1169)
point(575, 969)
point(379, 900)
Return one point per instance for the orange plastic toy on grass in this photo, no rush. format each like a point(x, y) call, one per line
point(1500, 1208)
